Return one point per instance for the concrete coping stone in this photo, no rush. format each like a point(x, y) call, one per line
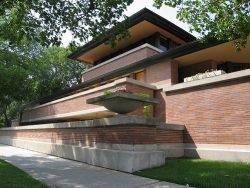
point(170, 126)
point(129, 96)
point(118, 120)
point(208, 81)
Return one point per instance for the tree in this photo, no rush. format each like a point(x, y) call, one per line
point(51, 71)
point(46, 21)
point(13, 84)
point(219, 19)
point(28, 74)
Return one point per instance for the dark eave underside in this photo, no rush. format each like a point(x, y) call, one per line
point(144, 14)
point(171, 54)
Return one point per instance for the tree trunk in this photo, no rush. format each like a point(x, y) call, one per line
point(7, 121)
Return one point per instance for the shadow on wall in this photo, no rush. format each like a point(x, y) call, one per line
point(28, 115)
point(160, 108)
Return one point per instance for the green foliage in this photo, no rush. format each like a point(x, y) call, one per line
point(222, 19)
point(28, 74)
point(201, 173)
point(107, 92)
point(10, 112)
point(12, 177)
point(146, 110)
point(14, 84)
point(46, 21)
point(141, 95)
point(51, 71)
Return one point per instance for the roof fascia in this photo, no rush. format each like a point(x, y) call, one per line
point(144, 14)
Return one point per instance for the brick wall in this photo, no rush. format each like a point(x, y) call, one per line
point(212, 114)
point(163, 73)
point(79, 103)
point(125, 134)
point(118, 63)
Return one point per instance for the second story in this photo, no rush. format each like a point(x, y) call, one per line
point(159, 58)
point(150, 34)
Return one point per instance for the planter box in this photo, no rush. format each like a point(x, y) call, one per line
point(200, 76)
point(122, 102)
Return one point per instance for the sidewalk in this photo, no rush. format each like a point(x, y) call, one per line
point(62, 173)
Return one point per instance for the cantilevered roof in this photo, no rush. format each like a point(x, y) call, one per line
point(141, 25)
point(220, 53)
point(180, 51)
point(185, 55)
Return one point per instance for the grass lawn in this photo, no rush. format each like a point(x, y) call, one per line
point(202, 173)
point(12, 177)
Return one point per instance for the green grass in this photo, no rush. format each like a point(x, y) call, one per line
point(12, 177)
point(202, 173)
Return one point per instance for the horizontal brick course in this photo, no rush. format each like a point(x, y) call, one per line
point(116, 135)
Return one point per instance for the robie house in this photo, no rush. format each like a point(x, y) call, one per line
point(200, 92)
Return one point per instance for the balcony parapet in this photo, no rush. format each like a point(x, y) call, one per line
point(74, 107)
point(127, 58)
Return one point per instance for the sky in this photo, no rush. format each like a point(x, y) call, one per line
point(164, 11)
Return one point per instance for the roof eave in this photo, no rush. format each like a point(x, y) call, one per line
point(171, 54)
point(144, 14)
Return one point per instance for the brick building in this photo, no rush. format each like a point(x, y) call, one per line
point(167, 63)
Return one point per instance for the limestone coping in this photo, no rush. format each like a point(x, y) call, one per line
point(208, 81)
point(118, 120)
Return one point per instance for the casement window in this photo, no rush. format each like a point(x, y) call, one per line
point(165, 44)
point(140, 76)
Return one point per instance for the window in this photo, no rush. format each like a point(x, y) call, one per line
point(139, 76)
point(172, 44)
point(164, 44)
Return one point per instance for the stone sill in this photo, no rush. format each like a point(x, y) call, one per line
point(208, 81)
point(118, 120)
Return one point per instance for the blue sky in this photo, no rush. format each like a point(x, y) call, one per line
point(164, 11)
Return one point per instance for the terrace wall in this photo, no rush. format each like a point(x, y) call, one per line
point(216, 116)
point(75, 105)
point(122, 142)
point(91, 136)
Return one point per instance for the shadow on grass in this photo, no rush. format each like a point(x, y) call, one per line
point(10, 176)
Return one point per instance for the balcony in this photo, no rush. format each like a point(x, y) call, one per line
point(122, 60)
point(75, 107)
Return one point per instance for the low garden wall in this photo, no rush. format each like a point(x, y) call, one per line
point(125, 143)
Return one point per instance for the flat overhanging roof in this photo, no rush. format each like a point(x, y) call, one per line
point(187, 54)
point(220, 53)
point(141, 25)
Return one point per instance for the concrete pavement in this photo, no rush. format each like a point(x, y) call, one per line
point(62, 173)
